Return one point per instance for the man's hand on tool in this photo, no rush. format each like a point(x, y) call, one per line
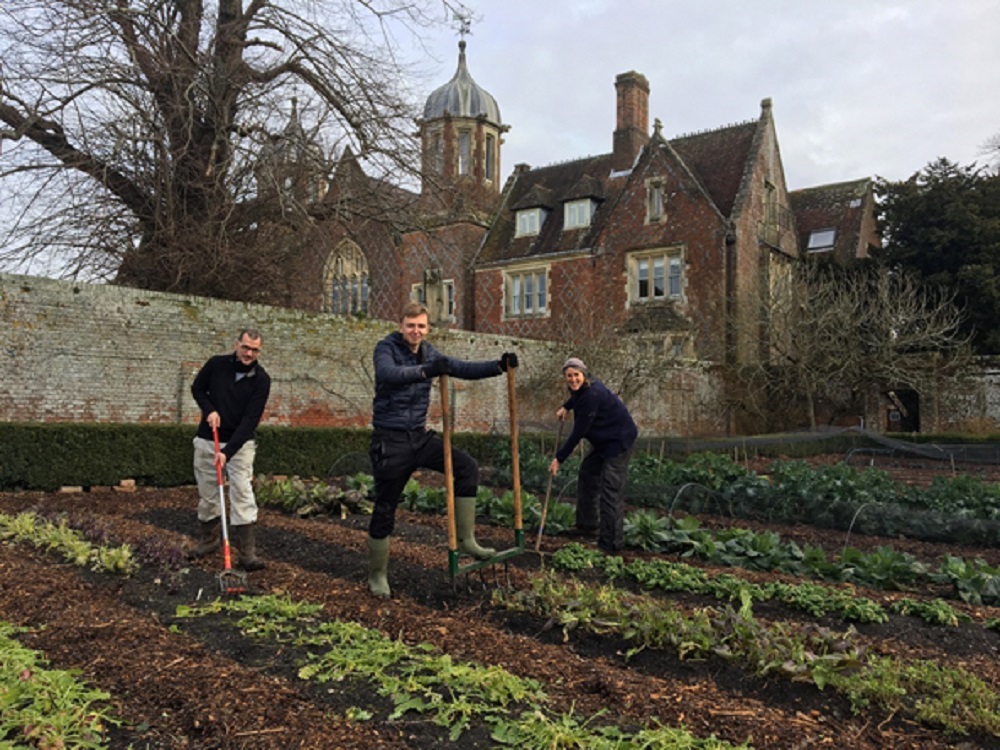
point(436, 367)
point(554, 466)
point(508, 361)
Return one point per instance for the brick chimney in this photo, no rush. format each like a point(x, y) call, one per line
point(632, 128)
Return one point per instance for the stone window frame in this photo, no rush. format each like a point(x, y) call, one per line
point(346, 280)
point(490, 167)
point(418, 293)
point(517, 282)
point(673, 275)
point(465, 152)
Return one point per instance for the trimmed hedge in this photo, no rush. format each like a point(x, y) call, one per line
point(46, 456)
point(49, 455)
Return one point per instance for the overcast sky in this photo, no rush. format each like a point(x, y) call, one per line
point(860, 88)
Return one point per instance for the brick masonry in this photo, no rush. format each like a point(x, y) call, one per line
point(98, 353)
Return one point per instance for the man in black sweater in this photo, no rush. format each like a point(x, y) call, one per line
point(231, 391)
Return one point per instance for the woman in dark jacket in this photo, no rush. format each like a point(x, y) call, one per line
point(600, 417)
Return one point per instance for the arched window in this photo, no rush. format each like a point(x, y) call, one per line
point(345, 280)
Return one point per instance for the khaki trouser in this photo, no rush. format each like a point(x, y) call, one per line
point(239, 470)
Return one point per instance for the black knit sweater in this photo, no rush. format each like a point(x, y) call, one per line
point(240, 403)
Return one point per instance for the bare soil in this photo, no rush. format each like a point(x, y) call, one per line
point(200, 684)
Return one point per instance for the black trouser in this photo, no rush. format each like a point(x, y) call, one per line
point(600, 498)
point(395, 455)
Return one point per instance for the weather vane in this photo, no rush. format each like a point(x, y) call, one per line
point(464, 23)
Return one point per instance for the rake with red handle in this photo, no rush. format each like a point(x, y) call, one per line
point(230, 581)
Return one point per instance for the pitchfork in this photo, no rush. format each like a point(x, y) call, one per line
point(503, 556)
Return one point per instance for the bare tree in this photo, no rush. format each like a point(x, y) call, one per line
point(829, 334)
point(135, 129)
point(991, 150)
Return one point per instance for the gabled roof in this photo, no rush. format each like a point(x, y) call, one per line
point(587, 186)
point(718, 158)
point(840, 206)
point(370, 197)
point(538, 196)
point(550, 187)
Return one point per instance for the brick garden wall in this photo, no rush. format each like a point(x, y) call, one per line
point(96, 353)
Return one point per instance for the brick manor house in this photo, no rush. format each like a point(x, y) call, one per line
point(667, 240)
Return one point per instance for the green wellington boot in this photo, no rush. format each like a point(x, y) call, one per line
point(378, 566)
point(465, 525)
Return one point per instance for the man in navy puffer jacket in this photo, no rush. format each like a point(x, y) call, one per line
point(405, 366)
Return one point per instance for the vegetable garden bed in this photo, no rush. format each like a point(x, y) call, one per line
point(312, 661)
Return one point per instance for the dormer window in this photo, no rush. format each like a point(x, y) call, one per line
point(821, 240)
point(577, 214)
point(529, 222)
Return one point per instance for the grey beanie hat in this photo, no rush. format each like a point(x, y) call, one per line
point(576, 363)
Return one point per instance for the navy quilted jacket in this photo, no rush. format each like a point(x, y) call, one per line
point(402, 393)
point(600, 417)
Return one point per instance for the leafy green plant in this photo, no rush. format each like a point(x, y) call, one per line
point(540, 730)
point(934, 695)
point(965, 495)
point(59, 537)
point(285, 493)
point(974, 581)
point(361, 482)
point(416, 678)
point(837, 496)
point(502, 510)
point(560, 517)
point(44, 707)
point(883, 568)
point(313, 497)
point(815, 599)
point(422, 499)
point(801, 653)
point(936, 612)
point(419, 680)
point(575, 557)
point(950, 698)
point(647, 530)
